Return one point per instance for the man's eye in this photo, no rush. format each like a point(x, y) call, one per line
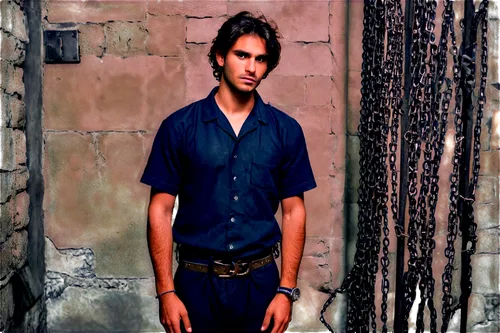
point(260, 59)
point(241, 55)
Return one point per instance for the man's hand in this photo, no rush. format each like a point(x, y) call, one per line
point(280, 310)
point(172, 310)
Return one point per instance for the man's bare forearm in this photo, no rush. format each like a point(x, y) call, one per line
point(294, 232)
point(160, 239)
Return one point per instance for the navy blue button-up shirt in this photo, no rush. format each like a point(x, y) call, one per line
point(229, 186)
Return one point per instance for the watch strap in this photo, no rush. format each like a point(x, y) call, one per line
point(285, 290)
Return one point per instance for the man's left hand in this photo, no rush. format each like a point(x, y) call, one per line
point(280, 310)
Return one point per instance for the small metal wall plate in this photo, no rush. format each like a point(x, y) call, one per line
point(61, 46)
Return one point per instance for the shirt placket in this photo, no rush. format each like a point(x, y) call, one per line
point(237, 179)
point(235, 195)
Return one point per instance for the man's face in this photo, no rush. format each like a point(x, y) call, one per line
point(245, 63)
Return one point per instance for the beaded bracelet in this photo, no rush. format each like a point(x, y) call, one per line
point(165, 292)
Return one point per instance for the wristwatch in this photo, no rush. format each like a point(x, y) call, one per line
point(292, 293)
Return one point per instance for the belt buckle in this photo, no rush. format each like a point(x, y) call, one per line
point(237, 268)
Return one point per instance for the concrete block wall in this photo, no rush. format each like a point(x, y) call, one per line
point(142, 60)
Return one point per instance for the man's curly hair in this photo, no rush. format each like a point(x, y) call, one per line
point(245, 23)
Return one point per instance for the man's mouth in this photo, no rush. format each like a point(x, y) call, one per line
point(248, 79)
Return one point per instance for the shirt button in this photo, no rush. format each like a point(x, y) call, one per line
point(235, 156)
point(231, 246)
point(234, 178)
point(233, 219)
point(235, 198)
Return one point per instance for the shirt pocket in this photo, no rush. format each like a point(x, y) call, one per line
point(263, 173)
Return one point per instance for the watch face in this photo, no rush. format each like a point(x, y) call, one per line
point(295, 294)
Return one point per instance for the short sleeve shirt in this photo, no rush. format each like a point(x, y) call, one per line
point(229, 186)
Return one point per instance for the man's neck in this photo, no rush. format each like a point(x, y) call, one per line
point(234, 103)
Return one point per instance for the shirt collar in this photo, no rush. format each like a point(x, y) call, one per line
point(210, 108)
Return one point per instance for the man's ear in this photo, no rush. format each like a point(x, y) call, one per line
point(220, 58)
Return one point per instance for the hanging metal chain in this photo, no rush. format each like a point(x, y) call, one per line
point(430, 97)
point(352, 284)
point(428, 117)
point(429, 164)
point(392, 76)
point(413, 136)
point(469, 230)
point(360, 281)
point(380, 133)
point(396, 103)
point(453, 217)
point(447, 29)
point(482, 18)
point(364, 317)
point(440, 124)
point(358, 317)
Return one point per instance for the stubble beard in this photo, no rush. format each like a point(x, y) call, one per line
point(235, 90)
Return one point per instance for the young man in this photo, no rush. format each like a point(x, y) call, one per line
point(231, 159)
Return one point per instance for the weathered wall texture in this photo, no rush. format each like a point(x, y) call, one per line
point(142, 60)
point(19, 309)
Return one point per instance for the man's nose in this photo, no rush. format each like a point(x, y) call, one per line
point(251, 65)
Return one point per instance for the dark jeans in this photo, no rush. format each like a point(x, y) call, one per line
point(226, 305)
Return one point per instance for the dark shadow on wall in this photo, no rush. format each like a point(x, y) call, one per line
point(29, 308)
point(351, 174)
point(33, 100)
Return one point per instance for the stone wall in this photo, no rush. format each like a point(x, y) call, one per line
point(14, 199)
point(141, 61)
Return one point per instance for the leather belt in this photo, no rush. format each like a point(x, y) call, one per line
point(235, 268)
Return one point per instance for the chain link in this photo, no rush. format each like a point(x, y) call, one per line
point(393, 76)
point(429, 116)
point(482, 18)
point(413, 137)
point(381, 93)
point(361, 308)
point(469, 227)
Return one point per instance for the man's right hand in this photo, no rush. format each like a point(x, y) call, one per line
point(172, 311)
